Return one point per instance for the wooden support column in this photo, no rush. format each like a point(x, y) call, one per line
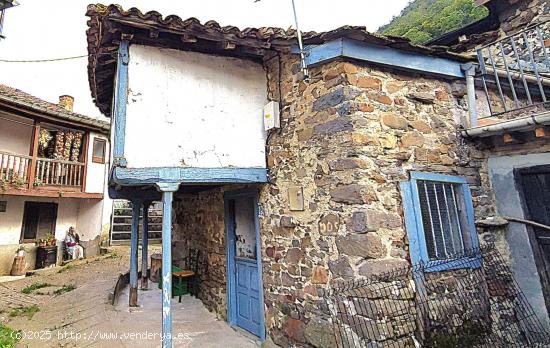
point(132, 301)
point(120, 101)
point(144, 245)
point(34, 152)
point(167, 190)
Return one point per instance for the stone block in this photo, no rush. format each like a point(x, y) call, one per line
point(341, 267)
point(423, 97)
point(375, 267)
point(329, 224)
point(412, 138)
point(349, 194)
point(369, 82)
point(363, 245)
point(335, 126)
point(320, 333)
point(394, 121)
point(335, 97)
point(381, 219)
point(320, 275)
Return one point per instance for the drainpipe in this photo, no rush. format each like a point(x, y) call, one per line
point(470, 72)
point(508, 126)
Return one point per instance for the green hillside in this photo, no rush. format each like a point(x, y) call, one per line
point(424, 20)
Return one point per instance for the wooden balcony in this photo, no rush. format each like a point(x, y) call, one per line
point(24, 175)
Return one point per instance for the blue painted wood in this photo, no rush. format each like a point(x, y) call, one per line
point(411, 223)
point(167, 198)
point(383, 55)
point(136, 206)
point(144, 244)
point(132, 193)
point(415, 228)
point(245, 287)
point(141, 176)
point(438, 177)
point(119, 103)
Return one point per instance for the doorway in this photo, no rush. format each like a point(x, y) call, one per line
point(38, 220)
point(244, 268)
point(534, 187)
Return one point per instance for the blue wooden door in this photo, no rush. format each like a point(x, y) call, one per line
point(247, 303)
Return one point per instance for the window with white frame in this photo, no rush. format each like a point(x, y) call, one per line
point(439, 216)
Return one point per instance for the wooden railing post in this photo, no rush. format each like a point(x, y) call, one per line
point(34, 153)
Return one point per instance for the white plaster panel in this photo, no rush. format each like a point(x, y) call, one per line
point(193, 109)
point(15, 134)
point(95, 177)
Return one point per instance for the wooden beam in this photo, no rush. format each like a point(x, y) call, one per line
point(144, 244)
point(542, 132)
point(186, 38)
point(227, 45)
point(153, 33)
point(508, 138)
point(188, 175)
point(119, 104)
point(133, 296)
point(50, 193)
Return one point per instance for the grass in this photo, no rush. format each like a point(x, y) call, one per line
point(113, 255)
point(33, 287)
point(28, 311)
point(65, 288)
point(8, 337)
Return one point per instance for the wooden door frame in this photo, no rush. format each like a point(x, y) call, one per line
point(231, 253)
point(531, 234)
point(54, 223)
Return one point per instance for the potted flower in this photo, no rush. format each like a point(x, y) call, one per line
point(50, 239)
point(40, 242)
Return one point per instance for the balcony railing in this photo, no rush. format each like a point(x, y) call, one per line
point(15, 171)
point(515, 72)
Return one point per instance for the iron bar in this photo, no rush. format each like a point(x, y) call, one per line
point(497, 80)
point(525, 85)
point(535, 67)
point(512, 88)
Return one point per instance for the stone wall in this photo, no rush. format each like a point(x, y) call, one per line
point(199, 223)
point(348, 136)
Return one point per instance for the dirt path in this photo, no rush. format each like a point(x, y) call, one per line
point(84, 317)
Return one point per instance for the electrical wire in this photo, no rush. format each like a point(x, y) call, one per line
point(41, 60)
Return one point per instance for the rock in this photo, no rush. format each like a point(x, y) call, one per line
point(329, 224)
point(423, 97)
point(331, 127)
point(369, 82)
point(320, 275)
point(363, 245)
point(388, 141)
point(320, 333)
point(346, 163)
point(492, 222)
point(379, 219)
point(349, 194)
point(375, 267)
point(412, 138)
point(295, 329)
point(341, 267)
point(294, 255)
point(394, 121)
point(287, 222)
point(421, 126)
point(334, 98)
point(358, 222)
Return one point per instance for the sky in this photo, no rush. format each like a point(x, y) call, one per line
point(45, 29)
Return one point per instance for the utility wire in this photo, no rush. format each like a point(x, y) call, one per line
point(41, 60)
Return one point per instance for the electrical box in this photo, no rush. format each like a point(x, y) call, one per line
point(271, 115)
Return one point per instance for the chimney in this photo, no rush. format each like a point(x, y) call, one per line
point(66, 102)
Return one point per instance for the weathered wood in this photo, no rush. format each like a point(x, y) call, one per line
point(144, 244)
point(156, 264)
point(136, 206)
point(542, 132)
point(18, 266)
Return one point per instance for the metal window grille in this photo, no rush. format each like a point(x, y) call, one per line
point(444, 218)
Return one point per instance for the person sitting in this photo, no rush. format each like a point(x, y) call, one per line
point(72, 243)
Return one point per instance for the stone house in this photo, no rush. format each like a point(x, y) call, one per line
point(379, 135)
point(53, 167)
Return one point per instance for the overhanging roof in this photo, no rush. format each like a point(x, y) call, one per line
point(107, 24)
point(24, 101)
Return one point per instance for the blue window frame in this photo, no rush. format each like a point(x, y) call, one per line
point(439, 218)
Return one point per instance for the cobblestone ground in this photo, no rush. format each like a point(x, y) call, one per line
point(80, 317)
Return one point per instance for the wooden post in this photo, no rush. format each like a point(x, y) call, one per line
point(132, 300)
point(34, 152)
point(144, 245)
point(168, 190)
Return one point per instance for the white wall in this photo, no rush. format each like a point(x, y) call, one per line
point(193, 109)
point(95, 177)
point(15, 134)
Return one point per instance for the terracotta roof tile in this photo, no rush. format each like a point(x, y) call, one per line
point(22, 99)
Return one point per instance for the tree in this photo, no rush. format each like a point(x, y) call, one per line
point(425, 20)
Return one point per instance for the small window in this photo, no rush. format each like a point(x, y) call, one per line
point(439, 217)
point(38, 220)
point(98, 154)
